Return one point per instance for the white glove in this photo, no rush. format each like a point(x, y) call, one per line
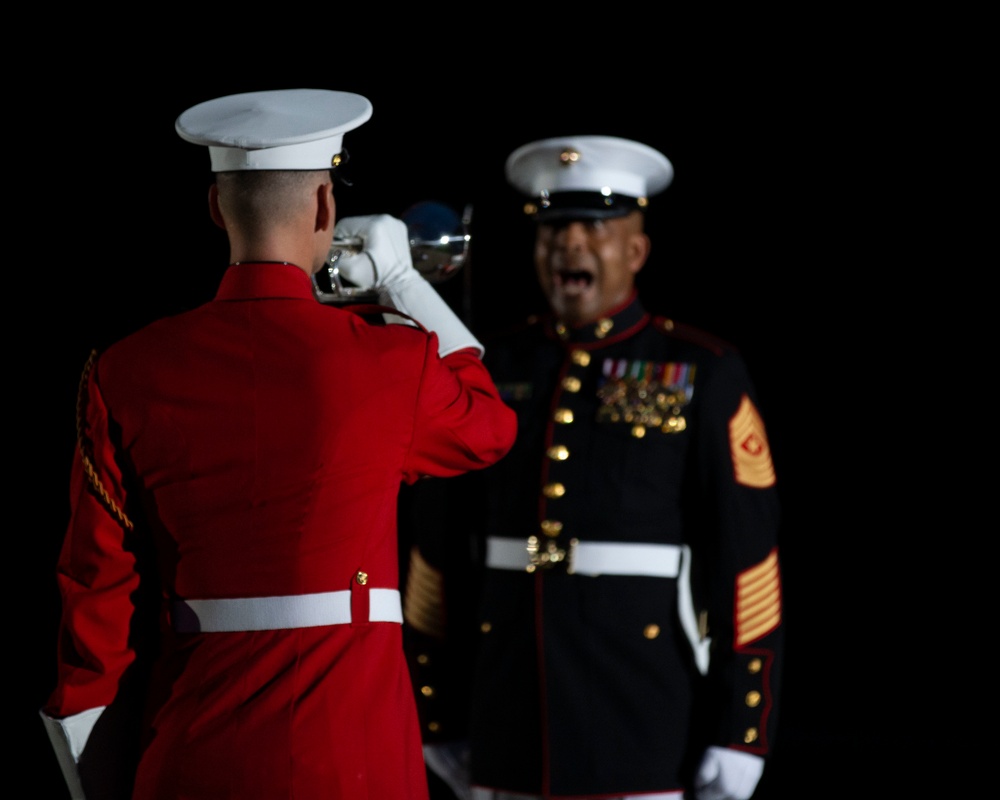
point(386, 265)
point(450, 762)
point(726, 774)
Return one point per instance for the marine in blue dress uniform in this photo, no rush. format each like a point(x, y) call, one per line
point(629, 620)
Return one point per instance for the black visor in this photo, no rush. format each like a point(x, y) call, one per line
point(583, 205)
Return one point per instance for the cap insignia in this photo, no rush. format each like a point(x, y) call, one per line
point(569, 156)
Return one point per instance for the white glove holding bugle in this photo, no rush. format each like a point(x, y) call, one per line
point(726, 774)
point(386, 265)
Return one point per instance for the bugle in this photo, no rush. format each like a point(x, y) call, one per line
point(439, 246)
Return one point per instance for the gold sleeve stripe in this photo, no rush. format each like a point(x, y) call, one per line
point(423, 601)
point(748, 444)
point(758, 600)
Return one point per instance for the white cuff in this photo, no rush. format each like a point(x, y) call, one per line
point(450, 762)
point(727, 774)
point(69, 737)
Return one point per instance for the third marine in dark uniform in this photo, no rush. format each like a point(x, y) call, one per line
point(629, 618)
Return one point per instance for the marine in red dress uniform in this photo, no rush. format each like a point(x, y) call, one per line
point(254, 448)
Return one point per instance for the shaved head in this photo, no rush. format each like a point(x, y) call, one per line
point(254, 200)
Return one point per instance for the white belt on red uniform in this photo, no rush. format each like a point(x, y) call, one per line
point(592, 558)
point(281, 612)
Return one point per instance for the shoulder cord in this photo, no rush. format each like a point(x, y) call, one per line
point(88, 466)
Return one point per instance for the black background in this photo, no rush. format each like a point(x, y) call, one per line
point(797, 227)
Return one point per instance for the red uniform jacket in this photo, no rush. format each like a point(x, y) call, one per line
point(256, 445)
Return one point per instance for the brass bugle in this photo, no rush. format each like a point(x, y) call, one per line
point(436, 257)
point(348, 247)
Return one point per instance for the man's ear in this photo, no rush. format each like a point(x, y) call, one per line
point(325, 207)
point(213, 206)
point(639, 245)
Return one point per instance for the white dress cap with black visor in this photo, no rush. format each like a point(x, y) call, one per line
point(283, 129)
point(587, 177)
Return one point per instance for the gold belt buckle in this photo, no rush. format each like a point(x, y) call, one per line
point(545, 558)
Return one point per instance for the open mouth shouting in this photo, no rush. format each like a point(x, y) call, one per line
point(572, 282)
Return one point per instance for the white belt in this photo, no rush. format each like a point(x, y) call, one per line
point(615, 558)
point(592, 558)
point(280, 612)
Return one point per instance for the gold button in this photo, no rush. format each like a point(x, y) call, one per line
point(427, 691)
point(551, 527)
point(651, 631)
point(638, 431)
point(753, 699)
point(423, 658)
point(580, 357)
point(558, 452)
point(753, 666)
point(571, 384)
point(563, 416)
point(362, 578)
point(433, 727)
point(553, 490)
point(485, 627)
point(750, 736)
point(562, 331)
point(603, 328)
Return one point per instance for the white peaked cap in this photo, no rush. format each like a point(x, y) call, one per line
point(284, 129)
point(588, 175)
